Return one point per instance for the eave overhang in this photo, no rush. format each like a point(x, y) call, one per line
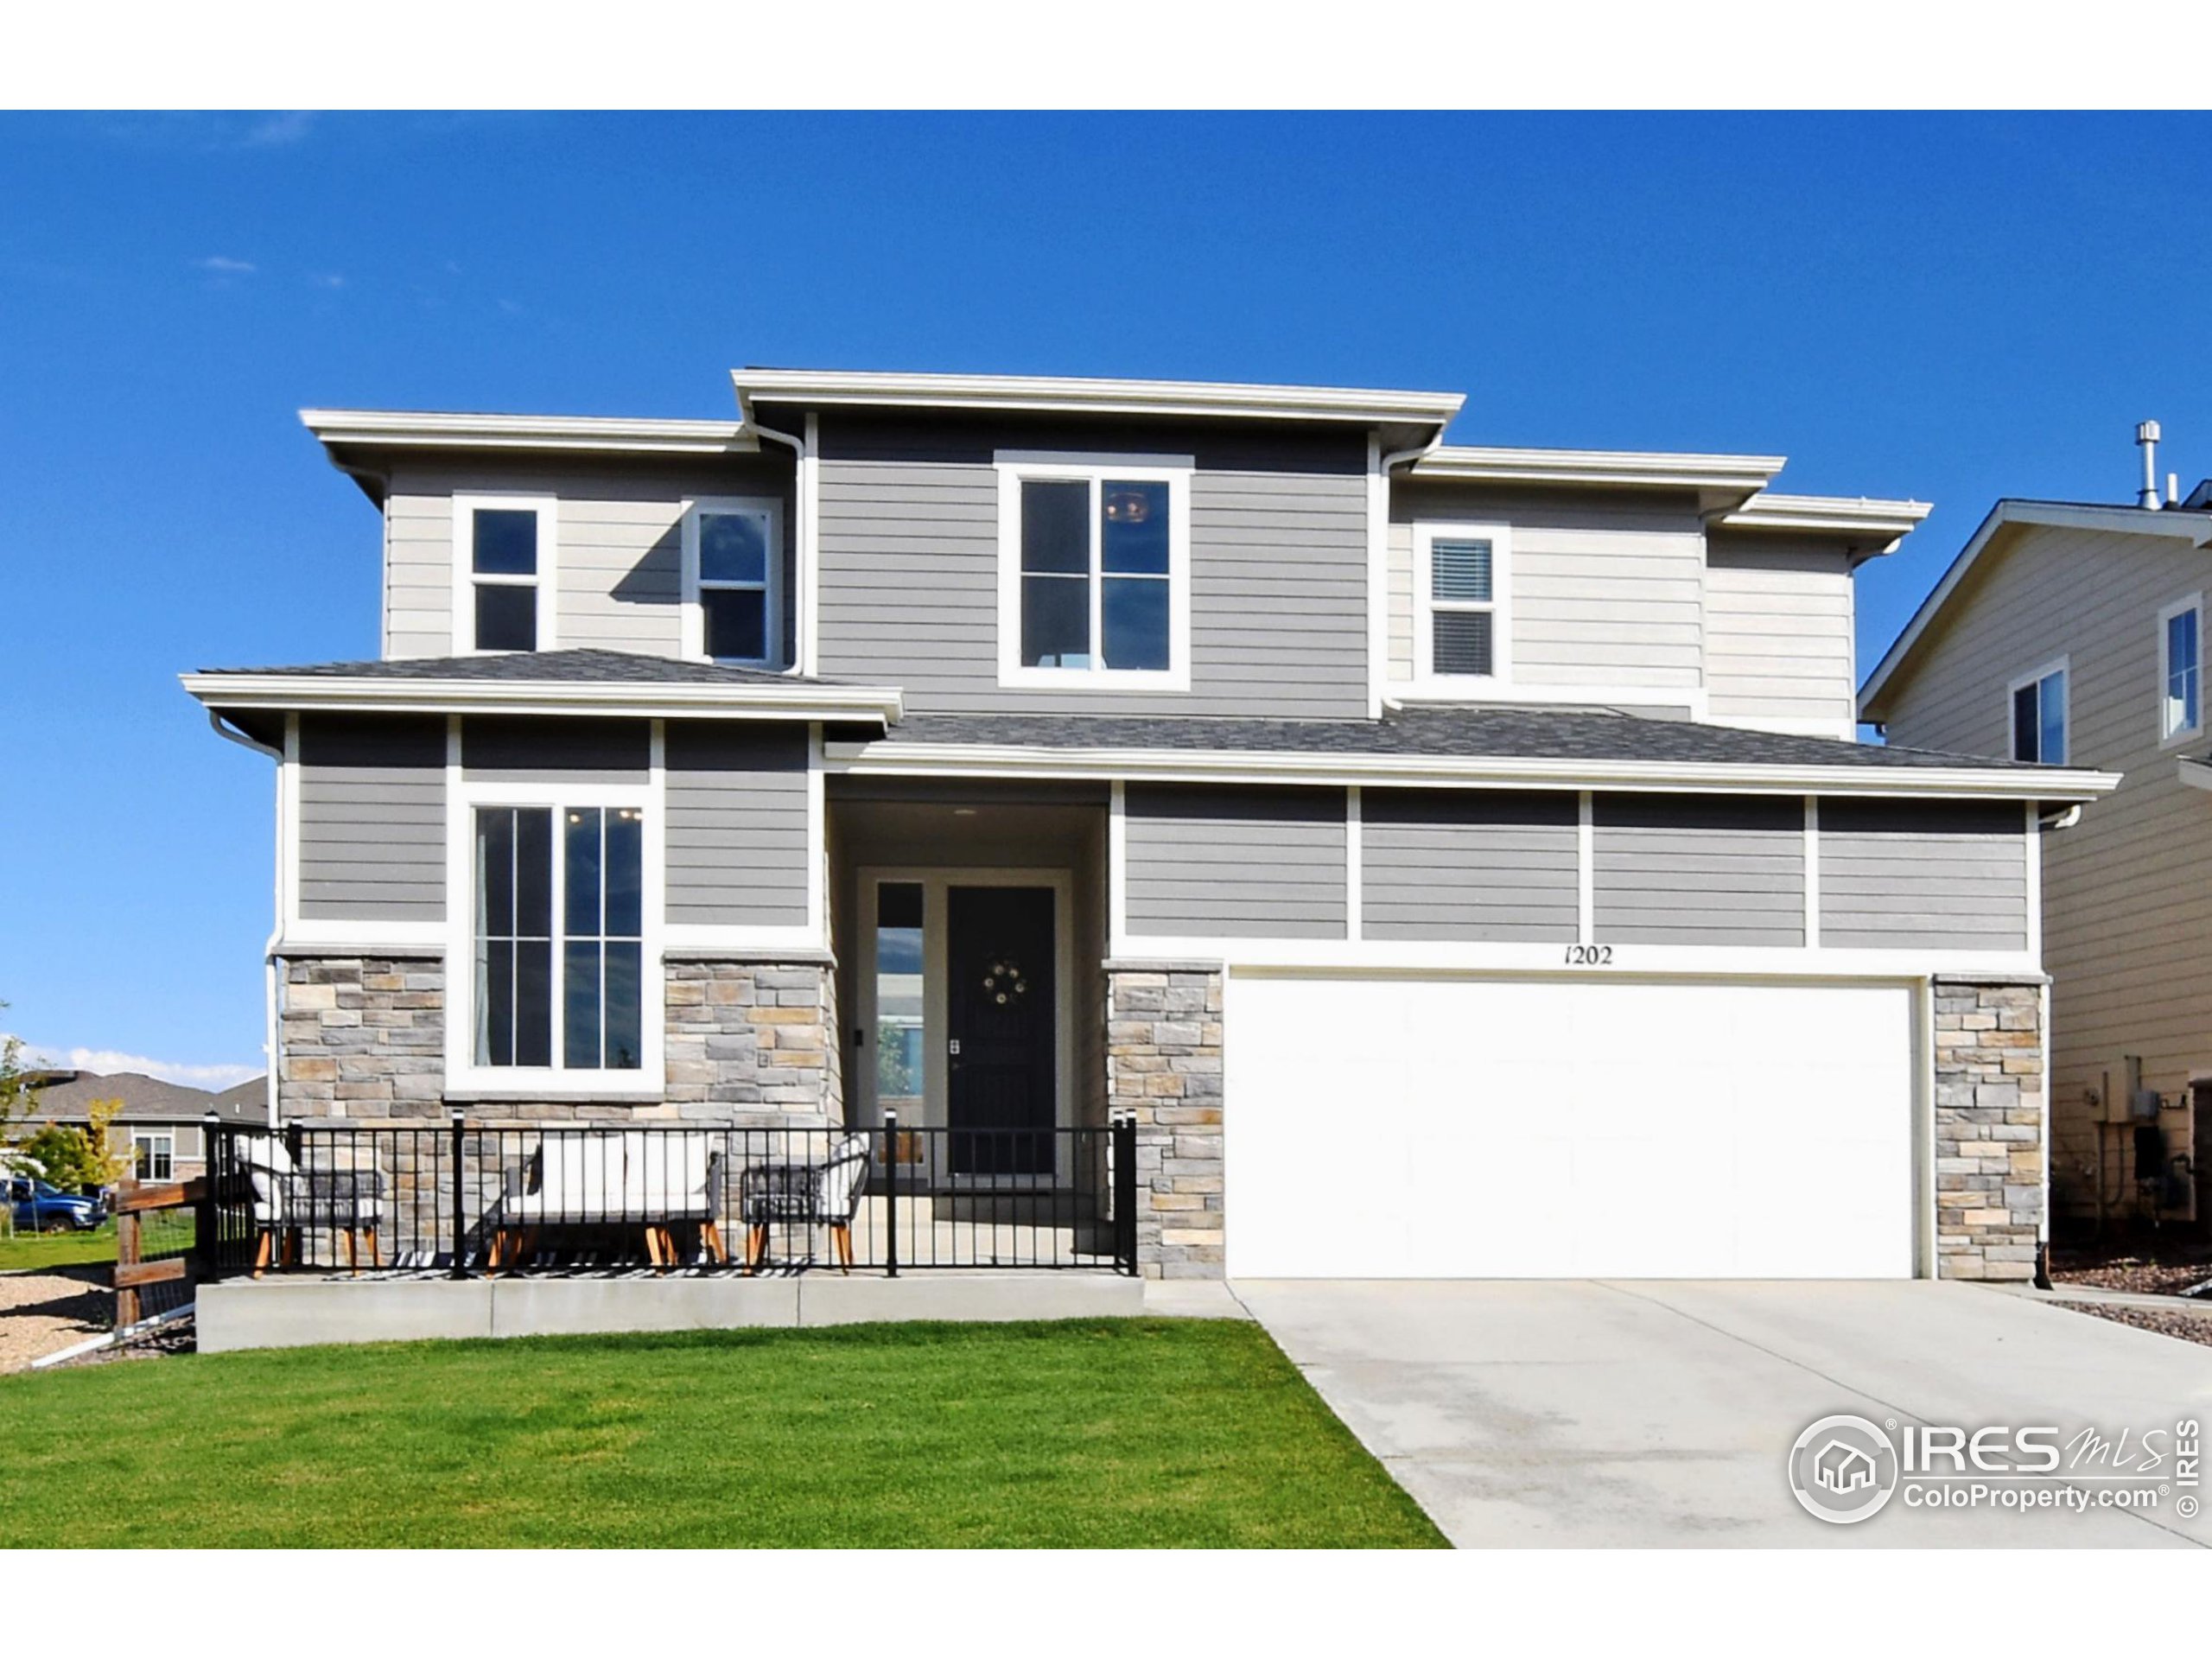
point(876, 705)
point(1870, 528)
point(905, 757)
point(1722, 483)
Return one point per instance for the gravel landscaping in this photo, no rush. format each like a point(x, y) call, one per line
point(42, 1312)
point(2146, 1267)
point(2176, 1322)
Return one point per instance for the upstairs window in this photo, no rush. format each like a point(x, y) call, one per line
point(2180, 633)
point(732, 583)
point(1094, 570)
point(503, 563)
point(1459, 602)
point(2039, 715)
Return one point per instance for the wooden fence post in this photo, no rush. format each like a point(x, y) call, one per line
point(126, 1254)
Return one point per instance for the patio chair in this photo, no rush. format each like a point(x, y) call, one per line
point(634, 1178)
point(827, 1194)
point(288, 1201)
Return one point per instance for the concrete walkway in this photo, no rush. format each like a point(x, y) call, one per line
point(1581, 1413)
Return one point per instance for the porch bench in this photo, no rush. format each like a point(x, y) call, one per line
point(656, 1181)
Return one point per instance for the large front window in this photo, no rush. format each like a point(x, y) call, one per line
point(559, 937)
point(1095, 573)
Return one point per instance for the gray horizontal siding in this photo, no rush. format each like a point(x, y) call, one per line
point(1437, 865)
point(909, 573)
point(1680, 869)
point(736, 809)
point(372, 819)
point(520, 748)
point(1242, 863)
point(1938, 875)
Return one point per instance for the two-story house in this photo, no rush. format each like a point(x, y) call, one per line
point(1457, 860)
point(2072, 633)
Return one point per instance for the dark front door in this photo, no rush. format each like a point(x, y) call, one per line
point(999, 953)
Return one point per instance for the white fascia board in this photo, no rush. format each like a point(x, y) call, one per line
point(2195, 527)
point(1729, 480)
point(1875, 527)
point(399, 429)
point(996, 761)
point(1054, 394)
point(309, 692)
point(2196, 774)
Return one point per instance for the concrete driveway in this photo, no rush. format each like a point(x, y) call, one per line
point(1580, 1412)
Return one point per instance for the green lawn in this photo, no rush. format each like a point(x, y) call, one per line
point(1105, 1432)
point(164, 1232)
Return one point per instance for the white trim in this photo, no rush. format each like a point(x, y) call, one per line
point(1118, 866)
point(1586, 868)
point(1691, 699)
point(771, 587)
point(884, 758)
point(1059, 393)
point(1924, 1128)
point(807, 497)
point(1724, 483)
point(463, 1077)
point(2195, 527)
point(287, 830)
point(399, 430)
point(2195, 730)
point(1355, 866)
point(299, 935)
point(1881, 525)
point(1813, 868)
point(817, 840)
point(1378, 578)
point(144, 1139)
point(1017, 466)
point(1626, 960)
point(1426, 680)
point(293, 693)
point(544, 582)
point(2062, 666)
point(2033, 852)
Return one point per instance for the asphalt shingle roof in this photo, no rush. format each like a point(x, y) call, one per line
point(576, 667)
point(1500, 733)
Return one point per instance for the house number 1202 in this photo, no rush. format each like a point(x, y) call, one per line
point(1589, 956)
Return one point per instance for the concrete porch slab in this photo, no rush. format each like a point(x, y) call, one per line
point(827, 1299)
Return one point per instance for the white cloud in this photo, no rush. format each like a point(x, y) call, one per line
point(106, 1060)
point(219, 266)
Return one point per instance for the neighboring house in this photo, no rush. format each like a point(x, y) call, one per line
point(162, 1127)
point(1456, 859)
point(2073, 632)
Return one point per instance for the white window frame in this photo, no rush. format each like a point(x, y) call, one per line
point(2063, 666)
point(1016, 467)
point(147, 1139)
point(465, 579)
point(465, 1078)
point(2170, 737)
point(695, 612)
point(1426, 534)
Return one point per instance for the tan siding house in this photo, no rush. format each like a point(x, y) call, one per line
point(2088, 593)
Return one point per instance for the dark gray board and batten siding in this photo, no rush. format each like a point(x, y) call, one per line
point(736, 809)
point(372, 819)
point(1940, 875)
point(1689, 869)
point(908, 540)
point(1234, 863)
point(1499, 867)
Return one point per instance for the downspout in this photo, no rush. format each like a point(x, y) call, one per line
point(1382, 700)
point(802, 528)
point(276, 929)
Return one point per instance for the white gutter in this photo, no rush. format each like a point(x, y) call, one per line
point(1059, 394)
point(404, 429)
point(890, 758)
point(1618, 468)
point(379, 694)
point(276, 930)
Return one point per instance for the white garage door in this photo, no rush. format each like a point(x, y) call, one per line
point(1469, 1129)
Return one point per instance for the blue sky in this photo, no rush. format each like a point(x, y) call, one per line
point(1952, 308)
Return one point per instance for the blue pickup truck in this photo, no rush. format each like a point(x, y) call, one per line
point(40, 1208)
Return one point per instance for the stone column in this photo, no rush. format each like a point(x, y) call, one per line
point(1989, 1127)
point(1163, 1066)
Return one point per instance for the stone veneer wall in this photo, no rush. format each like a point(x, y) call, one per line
point(1989, 1135)
point(1163, 1067)
point(363, 1039)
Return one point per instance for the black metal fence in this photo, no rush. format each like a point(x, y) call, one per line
point(466, 1200)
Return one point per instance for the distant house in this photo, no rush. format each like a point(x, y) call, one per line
point(161, 1125)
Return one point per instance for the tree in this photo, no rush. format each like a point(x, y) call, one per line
point(17, 1097)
